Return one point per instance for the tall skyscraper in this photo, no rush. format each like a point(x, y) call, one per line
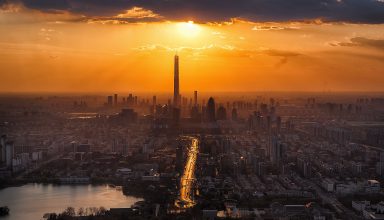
point(154, 101)
point(195, 98)
point(176, 91)
point(109, 100)
point(115, 99)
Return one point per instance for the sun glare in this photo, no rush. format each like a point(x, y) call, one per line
point(188, 29)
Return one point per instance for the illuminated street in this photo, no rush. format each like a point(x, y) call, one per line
point(186, 181)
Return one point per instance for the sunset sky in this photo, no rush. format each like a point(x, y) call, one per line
point(227, 45)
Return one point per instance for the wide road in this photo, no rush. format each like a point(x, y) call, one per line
point(186, 181)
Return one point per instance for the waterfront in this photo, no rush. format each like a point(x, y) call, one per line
point(31, 201)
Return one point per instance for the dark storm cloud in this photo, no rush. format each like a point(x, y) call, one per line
point(361, 11)
point(47, 5)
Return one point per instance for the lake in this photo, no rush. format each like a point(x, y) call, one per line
point(32, 201)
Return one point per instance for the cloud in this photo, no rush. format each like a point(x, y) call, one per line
point(222, 51)
point(137, 12)
point(55, 6)
point(132, 15)
point(359, 11)
point(206, 50)
point(284, 55)
point(6, 7)
point(273, 28)
point(362, 42)
point(15, 12)
point(281, 53)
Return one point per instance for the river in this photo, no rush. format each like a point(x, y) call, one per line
point(31, 201)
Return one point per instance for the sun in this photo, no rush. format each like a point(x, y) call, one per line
point(188, 29)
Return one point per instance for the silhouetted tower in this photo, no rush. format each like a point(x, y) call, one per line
point(195, 98)
point(211, 116)
point(176, 91)
point(115, 99)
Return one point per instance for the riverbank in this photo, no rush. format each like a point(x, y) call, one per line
point(32, 201)
point(157, 192)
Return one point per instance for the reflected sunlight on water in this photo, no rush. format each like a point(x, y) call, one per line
point(31, 201)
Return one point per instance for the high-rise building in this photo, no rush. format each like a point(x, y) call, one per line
point(110, 100)
point(176, 116)
point(2, 146)
point(176, 91)
point(8, 153)
point(196, 117)
point(380, 165)
point(221, 113)
point(277, 150)
point(211, 114)
point(115, 99)
point(130, 100)
point(234, 114)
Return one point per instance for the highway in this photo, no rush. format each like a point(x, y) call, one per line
point(186, 181)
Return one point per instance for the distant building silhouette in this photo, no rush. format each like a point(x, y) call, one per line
point(277, 150)
point(115, 99)
point(195, 115)
point(130, 100)
point(2, 146)
point(211, 110)
point(154, 101)
point(221, 113)
point(110, 100)
point(176, 116)
point(234, 114)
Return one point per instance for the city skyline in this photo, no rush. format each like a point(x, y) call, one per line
point(191, 109)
